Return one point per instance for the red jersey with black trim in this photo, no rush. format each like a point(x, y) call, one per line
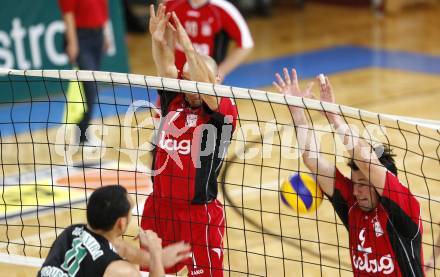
point(386, 241)
point(87, 13)
point(204, 25)
point(190, 148)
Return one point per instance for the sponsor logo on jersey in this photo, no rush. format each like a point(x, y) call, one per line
point(191, 120)
point(364, 263)
point(171, 145)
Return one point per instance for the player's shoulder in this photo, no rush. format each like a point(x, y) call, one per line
point(74, 229)
point(227, 107)
point(393, 180)
point(120, 268)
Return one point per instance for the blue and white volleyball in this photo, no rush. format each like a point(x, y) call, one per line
point(301, 193)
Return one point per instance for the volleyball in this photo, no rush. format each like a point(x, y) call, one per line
point(301, 193)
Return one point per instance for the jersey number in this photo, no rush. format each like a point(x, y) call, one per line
point(192, 28)
point(74, 257)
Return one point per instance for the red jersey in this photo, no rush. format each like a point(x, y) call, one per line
point(88, 13)
point(190, 148)
point(206, 23)
point(386, 241)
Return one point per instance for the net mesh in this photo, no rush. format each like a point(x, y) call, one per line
point(47, 176)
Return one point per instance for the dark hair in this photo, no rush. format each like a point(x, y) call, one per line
point(386, 158)
point(106, 205)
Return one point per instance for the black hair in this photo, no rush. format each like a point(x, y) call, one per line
point(106, 205)
point(385, 156)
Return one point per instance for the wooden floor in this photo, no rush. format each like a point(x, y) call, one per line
point(393, 91)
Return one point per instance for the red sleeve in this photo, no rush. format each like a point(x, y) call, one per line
point(171, 6)
point(234, 24)
point(402, 198)
point(345, 187)
point(67, 5)
point(227, 108)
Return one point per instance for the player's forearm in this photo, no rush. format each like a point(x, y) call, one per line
point(306, 139)
point(299, 116)
point(69, 22)
point(139, 257)
point(202, 74)
point(356, 146)
point(211, 101)
point(322, 169)
point(198, 70)
point(234, 59)
point(165, 66)
point(352, 142)
point(305, 135)
point(156, 266)
point(308, 145)
point(132, 254)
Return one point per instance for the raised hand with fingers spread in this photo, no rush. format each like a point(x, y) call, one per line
point(163, 42)
point(181, 35)
point(289, 85)
point(158, 22)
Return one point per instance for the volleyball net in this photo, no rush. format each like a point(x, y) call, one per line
point(48, 175)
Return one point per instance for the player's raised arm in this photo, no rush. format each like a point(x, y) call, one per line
point(320, 167)
point(362, 153)
point(198, 68)
point(162, 42)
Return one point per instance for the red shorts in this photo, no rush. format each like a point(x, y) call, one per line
point(202, 226)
